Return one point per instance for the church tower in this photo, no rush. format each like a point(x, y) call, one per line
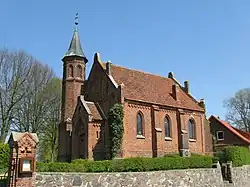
point(74, 64)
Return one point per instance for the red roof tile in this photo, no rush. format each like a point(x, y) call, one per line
point(243, 133)
point(234, 130)
point(151, 88)
point(94, 110)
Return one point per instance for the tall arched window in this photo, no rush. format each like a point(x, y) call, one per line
point(167, 127)
point(79, 71)
point(70, 71)
point(139, 122)
point(191, 129)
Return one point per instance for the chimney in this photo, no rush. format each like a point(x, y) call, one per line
point(108, 67)
point(186, 87)
point(175, 91)
point(171, 75)
point(202, 104)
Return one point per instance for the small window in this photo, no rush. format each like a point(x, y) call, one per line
point(70, 71)
point(97, 134)
point(79, 71)
point(140, 130)
point(220, 135)
point(167, 127)
point(191, 129)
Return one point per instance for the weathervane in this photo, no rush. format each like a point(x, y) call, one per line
point(76, 20)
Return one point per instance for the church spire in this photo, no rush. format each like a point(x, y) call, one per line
point(75, 48)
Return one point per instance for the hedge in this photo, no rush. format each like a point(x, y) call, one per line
point(238, 155)
point(128, 165)
point(4, 156)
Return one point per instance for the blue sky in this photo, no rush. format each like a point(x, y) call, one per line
point(206, 42)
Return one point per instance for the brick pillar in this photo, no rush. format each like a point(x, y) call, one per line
point(22, 159)
point(183, 135)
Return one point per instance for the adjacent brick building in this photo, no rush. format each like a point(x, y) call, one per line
point(225, 134)
point(160, 115)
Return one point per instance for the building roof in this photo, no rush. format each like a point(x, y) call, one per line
point(241, 134)
point(151, 88)
point(17, 135)
point(75, 48)
point(95, 110)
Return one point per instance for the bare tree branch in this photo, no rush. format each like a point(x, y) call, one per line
point(239, 109)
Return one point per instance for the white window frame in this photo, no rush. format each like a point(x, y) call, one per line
point(218, 136)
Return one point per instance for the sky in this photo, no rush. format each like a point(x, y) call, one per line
point(205, 42)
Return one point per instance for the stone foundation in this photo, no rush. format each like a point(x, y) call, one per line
point(183, 178)
point(210, 177)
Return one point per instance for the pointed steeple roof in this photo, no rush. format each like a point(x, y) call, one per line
point(75, 48)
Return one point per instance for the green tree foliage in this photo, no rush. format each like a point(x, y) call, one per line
point(48, 145)
point(4, 156)
point(238, 109)
point(115, 120)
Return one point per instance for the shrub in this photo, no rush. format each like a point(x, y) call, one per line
point(175, 155)
point(4, 155)
point(129, 164)
point(238, 155)
point(220, 156)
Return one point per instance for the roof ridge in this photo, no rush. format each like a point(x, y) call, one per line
point(140, 71)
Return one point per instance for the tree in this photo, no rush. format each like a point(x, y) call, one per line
point(239, 109)
point(14, 70)
point(30, 96)
point(32, 111)
point(49, 136)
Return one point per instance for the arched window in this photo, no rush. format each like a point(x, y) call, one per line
point(167, 127)
point(139, 122)
point(79, 71)
point(191, 129)
point(70, 71)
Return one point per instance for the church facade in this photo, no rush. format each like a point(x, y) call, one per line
point(160, 115)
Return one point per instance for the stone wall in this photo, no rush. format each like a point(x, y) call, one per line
point(183, 178)
point(175, 178)
point(241, 176)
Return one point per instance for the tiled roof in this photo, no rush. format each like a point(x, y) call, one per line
point(243, 133)
point(17, 135)
point(235, 131)
point(95, 110)
point(151, 88)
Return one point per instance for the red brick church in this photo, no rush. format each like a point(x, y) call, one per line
point(160, 115)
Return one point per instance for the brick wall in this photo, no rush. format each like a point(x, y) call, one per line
point(96, 141)
point(133, 145)
point(166, 145)
point(154, 130)
point(197, 145)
